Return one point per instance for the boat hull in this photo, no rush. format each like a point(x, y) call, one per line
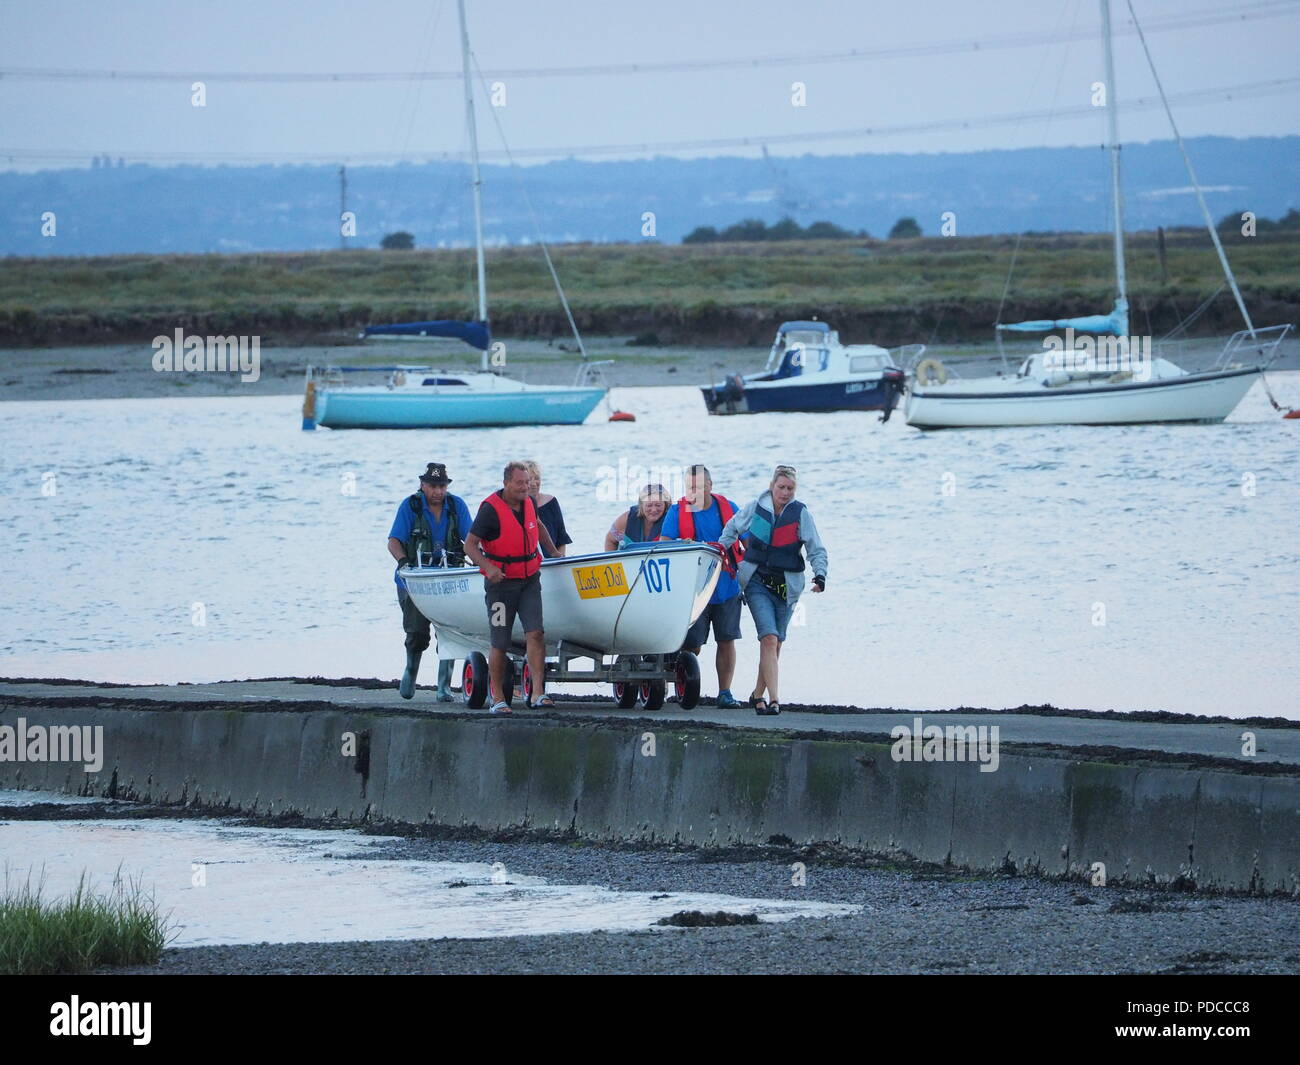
point(385, 409)
point(638, 601)
point(1192, 398)
point(811, 398)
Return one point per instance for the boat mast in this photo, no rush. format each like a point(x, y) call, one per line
point(1191, 173)
point(1112, 124)
point(477, 180)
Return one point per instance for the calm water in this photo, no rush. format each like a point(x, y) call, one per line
point(203, 539)
point(223, 883)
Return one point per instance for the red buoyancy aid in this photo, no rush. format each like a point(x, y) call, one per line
point(686, 517)
point(686, 524)
point(515, 547)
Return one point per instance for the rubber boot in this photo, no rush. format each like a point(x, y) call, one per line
point(445, 667)
point(407, 688)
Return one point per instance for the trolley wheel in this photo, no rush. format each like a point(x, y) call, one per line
point(528, 684)
point(474, 681)
point(652, 693)
point(625, 692)
point(508, 682)
point(687, 681)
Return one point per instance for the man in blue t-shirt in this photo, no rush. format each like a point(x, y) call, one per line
point(701, 515)
point(429, 529)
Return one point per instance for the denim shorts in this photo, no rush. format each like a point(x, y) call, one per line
point(771, 614)
point(725, 619)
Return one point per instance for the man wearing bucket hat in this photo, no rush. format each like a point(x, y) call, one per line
point(429, 528)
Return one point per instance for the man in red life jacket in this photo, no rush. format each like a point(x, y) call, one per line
point(701, 515)
point(502, 542)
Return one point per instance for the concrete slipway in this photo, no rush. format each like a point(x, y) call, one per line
point(1156, 801)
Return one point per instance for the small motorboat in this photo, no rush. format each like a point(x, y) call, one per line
point(808, 369)
point(634, 605)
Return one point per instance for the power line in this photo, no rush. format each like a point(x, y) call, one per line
point(1194, 97)
point(1188, 20)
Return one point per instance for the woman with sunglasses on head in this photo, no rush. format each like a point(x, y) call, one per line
point(778, 531)
point(640, 524)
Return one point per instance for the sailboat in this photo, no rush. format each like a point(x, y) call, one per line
point(1098, 374)
point(416, 397)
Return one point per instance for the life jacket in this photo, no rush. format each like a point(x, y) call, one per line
point(422, 533)
point(515, 548)
point(774, 542)
point(686, 519)
point(638, 532)
point(686, 526)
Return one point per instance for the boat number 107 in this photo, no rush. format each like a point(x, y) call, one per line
point(656, 574)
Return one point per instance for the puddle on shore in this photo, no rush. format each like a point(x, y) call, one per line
point(226, 884)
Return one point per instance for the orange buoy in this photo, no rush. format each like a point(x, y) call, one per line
point(622, 416)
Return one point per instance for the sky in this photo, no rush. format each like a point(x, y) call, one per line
point(684, 112)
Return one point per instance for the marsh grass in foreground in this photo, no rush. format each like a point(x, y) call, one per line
point(82, 931)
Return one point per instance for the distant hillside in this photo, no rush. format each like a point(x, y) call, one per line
point(145, 209)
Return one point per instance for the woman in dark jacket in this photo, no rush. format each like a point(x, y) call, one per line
point(548, 509)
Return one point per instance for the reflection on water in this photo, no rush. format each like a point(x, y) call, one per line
point(226, 884)
point(1143, 567)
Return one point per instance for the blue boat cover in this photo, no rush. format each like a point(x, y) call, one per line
point(816, 327)
point(475, 334)
point(1115, 323)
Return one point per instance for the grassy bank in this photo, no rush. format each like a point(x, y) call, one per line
point(946, 289)
point(81, 932)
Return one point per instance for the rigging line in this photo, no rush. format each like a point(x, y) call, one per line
point(1186, 20)
point(1047, 122)
point(1190, 320)
point(1006, 289)
point(411, 103)
point(1193, 97)
point(546, 252)
point(1191, 173)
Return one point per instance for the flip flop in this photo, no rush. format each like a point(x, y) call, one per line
point(500, 708)
point(544, 703)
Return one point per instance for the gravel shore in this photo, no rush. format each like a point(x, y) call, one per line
point(914, 920)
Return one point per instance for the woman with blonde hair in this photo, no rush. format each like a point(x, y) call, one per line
point(548, 510)
point(778, 531)
point(641, 523)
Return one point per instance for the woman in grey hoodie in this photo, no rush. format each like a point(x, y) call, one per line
point(778, 531)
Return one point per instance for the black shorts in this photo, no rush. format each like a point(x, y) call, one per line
point(510, 598)
point(725, 618)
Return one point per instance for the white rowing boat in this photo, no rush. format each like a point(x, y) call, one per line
point(635, 602)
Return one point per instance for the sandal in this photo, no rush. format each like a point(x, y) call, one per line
point(759, 704)
point(544, 703)
point(500, 707)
